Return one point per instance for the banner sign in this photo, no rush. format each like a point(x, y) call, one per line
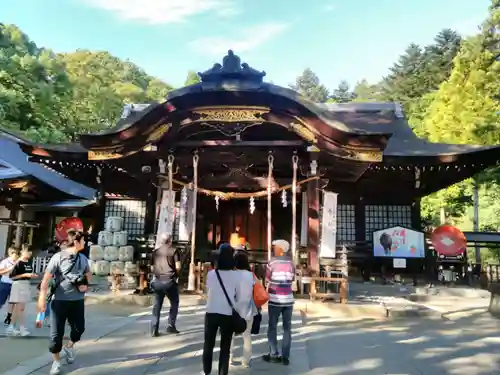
point(398, 242)
point(184, 217)
point(328, 242)
point(166, 217)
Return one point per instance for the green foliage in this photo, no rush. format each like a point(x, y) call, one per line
point(343, 93)
point(309, 86)
point(192, 78)
point(51, 97)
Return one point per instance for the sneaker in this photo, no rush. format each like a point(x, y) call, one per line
point(24, 332)
point(286, 361)
point(12, 331)
point(271, 358)
point(173, 330)
point(69, 354)
point(56, 368)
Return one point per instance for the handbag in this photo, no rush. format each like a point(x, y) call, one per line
point(257, 320)
point(239, 324)
point(260, 295)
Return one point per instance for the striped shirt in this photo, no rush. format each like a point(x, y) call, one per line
point(280, 274)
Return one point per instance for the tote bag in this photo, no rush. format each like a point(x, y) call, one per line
point(260, 295)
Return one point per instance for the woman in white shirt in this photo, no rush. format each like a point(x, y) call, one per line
point(219, 312)
point(245, 304)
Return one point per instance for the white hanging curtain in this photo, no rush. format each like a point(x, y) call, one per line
point(328, 242)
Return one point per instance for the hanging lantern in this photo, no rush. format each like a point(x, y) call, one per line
point(252, 205)
point(217, 202)
point(284, 198)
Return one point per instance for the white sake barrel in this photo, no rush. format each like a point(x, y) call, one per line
point(93, 266)
point(120, 238)
point(130, 268)
point(105, 238)
point(129, 282)
point(114, 223)
point(102, 268)
point(96, 252)
point(126, 253)
point(117, 267)
point(110, 253)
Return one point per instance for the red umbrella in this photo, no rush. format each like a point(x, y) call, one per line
point(65, 225)
point(449, 241)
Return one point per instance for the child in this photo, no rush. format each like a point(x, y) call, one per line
point(6, 267)
point(21, 292)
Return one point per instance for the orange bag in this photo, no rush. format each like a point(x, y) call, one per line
point(260, 295)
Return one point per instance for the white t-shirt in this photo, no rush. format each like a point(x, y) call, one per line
point(6, 263)
point(245, 305)
point(217, 302)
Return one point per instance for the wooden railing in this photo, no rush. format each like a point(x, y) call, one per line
point(313, 287)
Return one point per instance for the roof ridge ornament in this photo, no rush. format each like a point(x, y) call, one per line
point(231, 75)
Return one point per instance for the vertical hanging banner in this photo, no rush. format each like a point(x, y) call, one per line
point(166, 217)
point(184, 217)
point(328, 226)
point(304, 221)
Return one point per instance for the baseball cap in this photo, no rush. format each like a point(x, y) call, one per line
point(283, 244)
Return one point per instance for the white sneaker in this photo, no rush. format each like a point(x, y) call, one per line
point(24, 332)
point(12, 331)
point(69, 354)
point(56, 368)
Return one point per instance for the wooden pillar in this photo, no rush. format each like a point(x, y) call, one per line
point(313, 226)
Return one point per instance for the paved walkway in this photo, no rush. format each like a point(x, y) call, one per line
point(324, 346)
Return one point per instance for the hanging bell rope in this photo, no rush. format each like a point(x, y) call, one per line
point(270, 160)
point(295, 161)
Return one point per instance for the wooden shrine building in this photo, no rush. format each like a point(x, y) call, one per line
point(234, 122)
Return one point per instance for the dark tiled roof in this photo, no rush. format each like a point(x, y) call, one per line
point(389, 118)
point(12, 156)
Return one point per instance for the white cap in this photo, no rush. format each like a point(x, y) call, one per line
point(283, 244)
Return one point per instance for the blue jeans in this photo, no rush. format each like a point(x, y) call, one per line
point(272, 330)
point(4, 293)
point(169, 289)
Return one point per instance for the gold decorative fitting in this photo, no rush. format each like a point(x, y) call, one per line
point(231, 114)
point(304, 132)
point(367, 156)
point(158, 133)
point(103, 155)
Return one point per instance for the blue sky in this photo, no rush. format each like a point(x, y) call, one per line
point(337, 39)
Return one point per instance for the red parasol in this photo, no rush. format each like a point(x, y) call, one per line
point(65, 225)
point(449, 241)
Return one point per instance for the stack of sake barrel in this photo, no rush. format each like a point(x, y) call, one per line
point(112, 255)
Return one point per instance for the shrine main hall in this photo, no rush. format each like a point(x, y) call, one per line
point(260, 157)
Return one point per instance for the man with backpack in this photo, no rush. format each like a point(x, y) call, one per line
point(71, 273)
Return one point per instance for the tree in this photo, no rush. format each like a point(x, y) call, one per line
point(343, 93)
point(192, 78)
point(309, 86)
point(365, 92)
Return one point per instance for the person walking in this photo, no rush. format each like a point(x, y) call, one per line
point(245, 305)
point(166, 269)
point(20, 293)
point(71, 274)
point(219, 312)
point(6, 267)
point(280, 275)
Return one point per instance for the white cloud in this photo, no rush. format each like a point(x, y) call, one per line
point(164, 11)
point(248, 39)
